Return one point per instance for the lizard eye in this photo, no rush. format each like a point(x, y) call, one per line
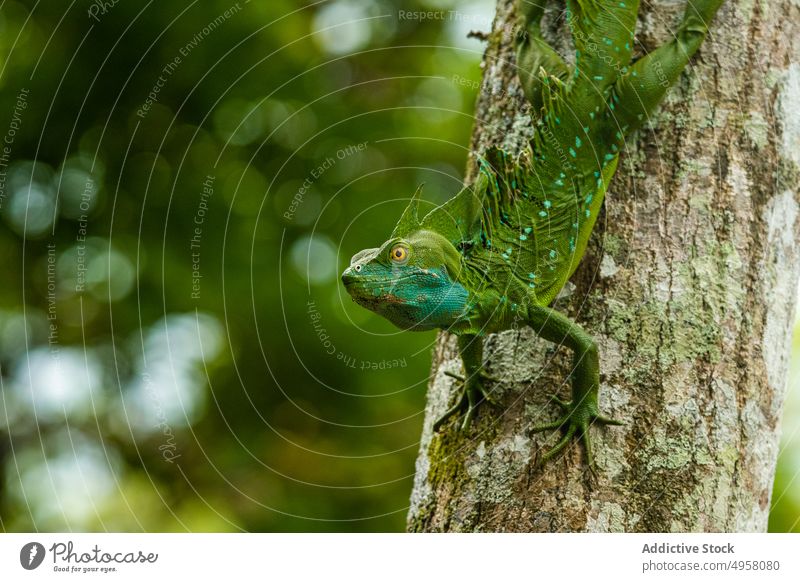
point(399, 254)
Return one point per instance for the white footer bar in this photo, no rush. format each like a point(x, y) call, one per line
point(388, 557)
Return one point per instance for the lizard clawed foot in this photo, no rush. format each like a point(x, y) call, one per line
point(473, 393)
point(576, 420)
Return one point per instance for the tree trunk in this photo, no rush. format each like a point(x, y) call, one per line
point(688, 286)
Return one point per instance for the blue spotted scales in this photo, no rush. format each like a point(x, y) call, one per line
point(496, 255)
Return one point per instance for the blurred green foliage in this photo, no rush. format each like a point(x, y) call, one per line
point(183, 185)
point(785, 512)
point(223, 161)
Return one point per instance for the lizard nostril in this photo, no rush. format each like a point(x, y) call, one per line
point(358, 268)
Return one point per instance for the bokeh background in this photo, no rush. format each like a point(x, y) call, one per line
point(180, 185)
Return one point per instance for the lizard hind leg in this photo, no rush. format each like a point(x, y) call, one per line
point(643, 87)
point(603, 32)
point(534, 54)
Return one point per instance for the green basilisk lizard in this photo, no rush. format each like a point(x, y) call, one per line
point(496, 255)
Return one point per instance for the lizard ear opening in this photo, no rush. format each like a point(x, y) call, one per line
point(409, 221)
point(459, 219)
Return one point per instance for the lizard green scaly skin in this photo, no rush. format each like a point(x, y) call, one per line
point(496, 255)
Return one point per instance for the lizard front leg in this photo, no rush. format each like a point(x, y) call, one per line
point(474, 391)
point(582, 411)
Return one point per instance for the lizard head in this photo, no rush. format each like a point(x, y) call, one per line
point(411, 279)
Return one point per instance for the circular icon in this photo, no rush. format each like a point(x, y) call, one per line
point(31, 555)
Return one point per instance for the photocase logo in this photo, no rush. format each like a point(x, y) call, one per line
point(31, 555)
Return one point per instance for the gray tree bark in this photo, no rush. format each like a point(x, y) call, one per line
point(689, 287)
